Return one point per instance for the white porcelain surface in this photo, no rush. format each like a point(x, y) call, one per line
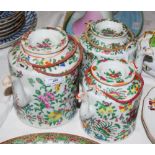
point(148, 113)
point(74, 127)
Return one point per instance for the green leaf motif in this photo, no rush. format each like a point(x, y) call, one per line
point(39, 81)
point(38, 92)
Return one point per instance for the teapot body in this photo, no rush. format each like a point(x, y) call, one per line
point(43, 97)
point(109, 120)
point(108, 112)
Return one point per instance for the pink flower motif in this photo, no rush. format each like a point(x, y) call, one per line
point(50, 95)
point(41, 98)
point(47, 105)
point(38, 116)
point(44, 99)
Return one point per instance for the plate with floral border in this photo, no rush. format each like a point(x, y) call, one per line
point(148, 114)
point(30, 23)
point(50, 138)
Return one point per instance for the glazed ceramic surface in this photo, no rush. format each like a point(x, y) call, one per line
point(108, 112)
point(107, 39)
point(50, 138)
point(45, 41)
point(7, 15)
point(147, 43)
point(148, 113)
point(45, 88)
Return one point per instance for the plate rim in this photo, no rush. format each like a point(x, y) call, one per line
point(49, 133)
point(11, 42)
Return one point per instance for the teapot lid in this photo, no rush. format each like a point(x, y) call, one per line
point(109, 28)
point(44, 41)
point(113, 72)
point(123, 94)
point(108, 35)
point(48, 61)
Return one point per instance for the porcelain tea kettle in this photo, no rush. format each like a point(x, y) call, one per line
point(110, 39)
point(44, 68)
point(110, 99)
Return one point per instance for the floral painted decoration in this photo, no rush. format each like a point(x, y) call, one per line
point(151, 104)
point(43, 138)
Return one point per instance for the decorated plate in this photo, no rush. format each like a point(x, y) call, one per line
point(45, 41)
point(6, 15)
point(30, 22)
point(13, 26)
point(148, 114)
point(112, 72)
point(12, 29)
point(50, 138)
point(15, 19)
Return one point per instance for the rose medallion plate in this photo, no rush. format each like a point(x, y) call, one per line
point(50, 138)
point(148, 114)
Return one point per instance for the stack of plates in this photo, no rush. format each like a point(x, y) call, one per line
point(13, 24)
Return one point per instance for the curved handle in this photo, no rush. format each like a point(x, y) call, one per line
point(137, 76)
point(7, 84)
point(6, 102)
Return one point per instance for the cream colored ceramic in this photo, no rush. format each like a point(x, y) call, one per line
point(45, 77)
point(147, 43)
point(109, 109)
point(109, 39)
point(148, 114)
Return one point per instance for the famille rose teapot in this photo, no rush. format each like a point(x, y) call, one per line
point(110, 39)
point(110, 96)
point(44, 68)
